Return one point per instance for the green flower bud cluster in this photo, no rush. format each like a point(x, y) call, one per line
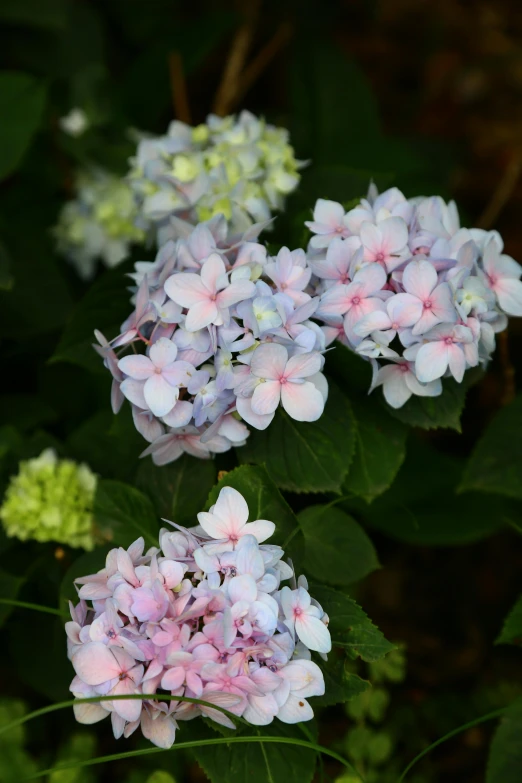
point(51, 500)
point(101, 222)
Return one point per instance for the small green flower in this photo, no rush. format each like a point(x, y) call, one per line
point(51, 500)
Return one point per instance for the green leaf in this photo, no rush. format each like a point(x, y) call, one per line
point(422, 507)
point(9, 588)
point(178, 490)
point(258, 763)
point(109, 444)
point(505, 757)
point(126, 512)
point(22, 101)
point(263, 498)
point(341, 685)
point(512, 630)
point(306, 457)
point(105, 306)
point(337, 548)
point(496, 463)
point(349, 626)
point(380, 450)
point(432, 412)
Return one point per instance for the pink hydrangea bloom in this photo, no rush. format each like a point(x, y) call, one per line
point(205, 617)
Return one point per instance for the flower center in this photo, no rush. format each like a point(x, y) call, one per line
point(448, 340)
point(427, 304)
point(298, 611)
point(356, 300)
point(379, 258)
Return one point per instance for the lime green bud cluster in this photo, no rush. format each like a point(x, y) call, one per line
point(239, 167)
point(51, 500)
point(101, 222)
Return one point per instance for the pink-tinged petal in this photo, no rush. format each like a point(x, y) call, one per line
point(173, 678)
point(394, 232)
point(200, 315)
point(160, 396)
point(426, 322)
point(186, 289)
point(269, 361)
point(89, 713)
point(420, 278)
point(148, 426)
point(328, 213)
point(133, 391)
point(261, 710)
point(509, 295)
point(394, 387)
point(302, 401)
point(180, 415)
point(303, 365)
point(431, 362)
point(377, 321)
point(194, 683)
point(94, 663)
point(232, 507)
point(129, 710)
point(161, 731)
point(335, 301)
point(357, 313)
point(163, 352)
point(404, 309)
point(371, 237)
point(236, 292)
point(137, 367)
point(266, 397)
point(456, 362)
point(260, 529)
point(257, 420)
point(212, 525)
point(242, 588)
point(313, 633)
point(442, 304)
point(229, 701)
point(178, 373)
point(371, 278)
point(212, 270)
point(295, 710)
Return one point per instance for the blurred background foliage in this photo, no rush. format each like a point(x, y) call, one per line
point(424, 96)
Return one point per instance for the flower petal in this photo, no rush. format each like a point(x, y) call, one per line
point(266, 397)
point(431, 361)
point(302, 401)
point(269, 361)
point(186, 289)
point(94, 663)
point(313, 633)
point(160, 396)
point(137, 367)
point(163, 352)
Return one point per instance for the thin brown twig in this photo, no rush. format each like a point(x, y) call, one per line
point(263, 59)
point(498, 201)
point(502, 193)
point(178, 88)
point(229, 85)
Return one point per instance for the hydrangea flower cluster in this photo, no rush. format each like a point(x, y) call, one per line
point(100, 223)
point(406, 287)
point(51, 500)
point(205, 616)
point(239, 167)
point(227, 336)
